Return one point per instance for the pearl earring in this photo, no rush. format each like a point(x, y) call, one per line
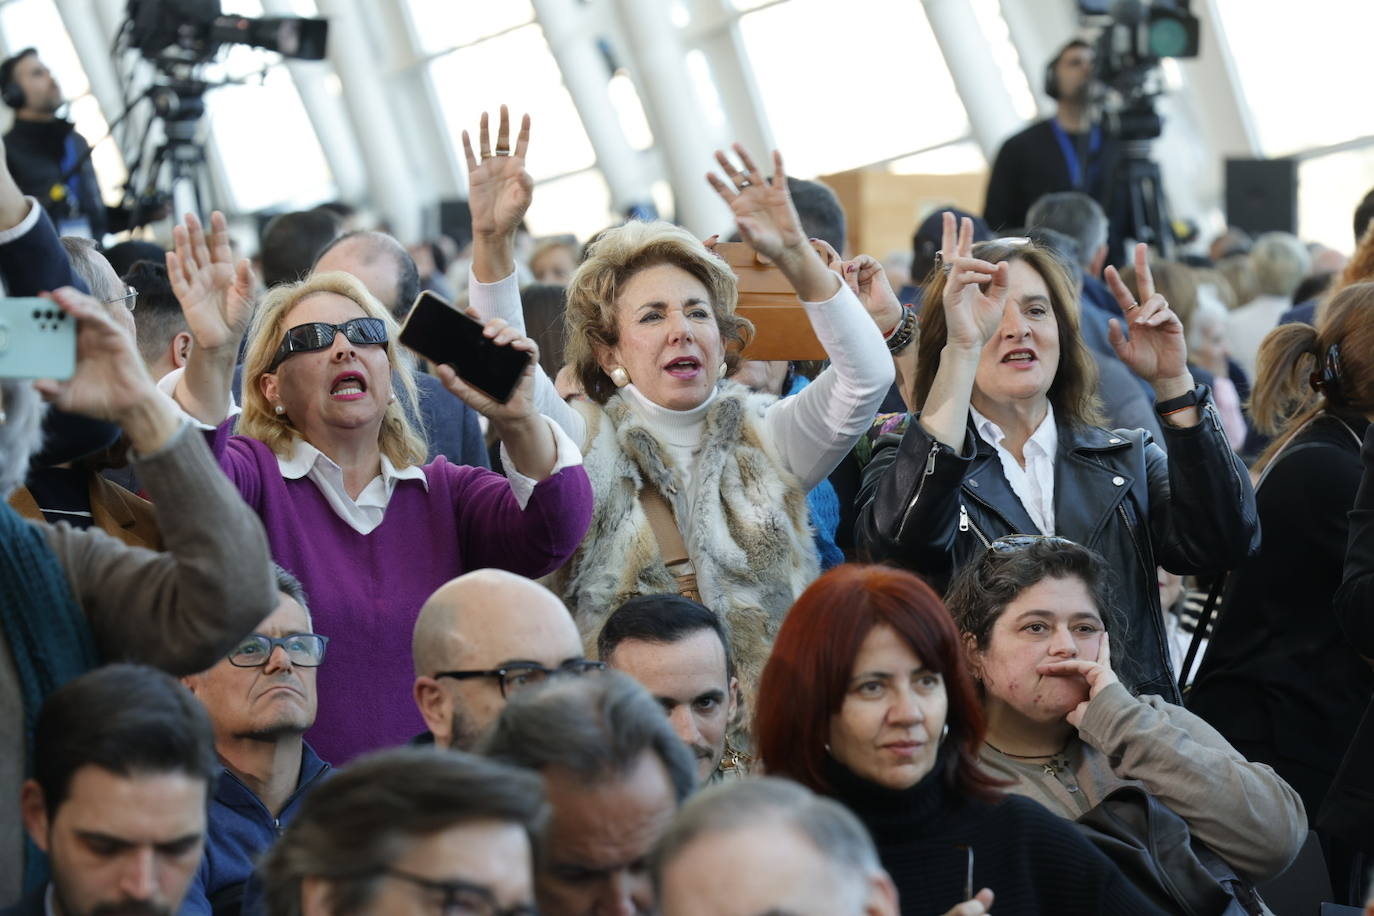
point(279, 410)
point(620, 377)
point(720, 373)
point(944, 733)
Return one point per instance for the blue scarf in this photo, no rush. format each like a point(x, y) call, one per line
point(48, 636)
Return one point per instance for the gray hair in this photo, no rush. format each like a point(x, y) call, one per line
point(825, 823)
point(361, 820)
point(1280, 261)
point(87, 261)
point(291, 587)
point(598, 726)
point(21, 432)
point(1076, 215)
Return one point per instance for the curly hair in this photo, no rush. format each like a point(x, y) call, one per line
point(591, 321)
point(398, 439)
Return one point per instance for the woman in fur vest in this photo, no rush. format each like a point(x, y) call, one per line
point(651, 335)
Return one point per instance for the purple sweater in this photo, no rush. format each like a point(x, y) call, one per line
point(365, 590)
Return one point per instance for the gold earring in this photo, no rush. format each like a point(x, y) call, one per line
point(620, 377)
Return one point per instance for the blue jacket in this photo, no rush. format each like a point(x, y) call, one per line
point(241, 829)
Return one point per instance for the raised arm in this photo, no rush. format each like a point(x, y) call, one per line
point(216, 298)
point(499, 192)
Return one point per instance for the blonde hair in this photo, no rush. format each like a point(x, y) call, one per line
point(398, 439)
point(617, 255)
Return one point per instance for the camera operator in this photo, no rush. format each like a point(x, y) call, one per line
point(46, 156)
point(1068, 152)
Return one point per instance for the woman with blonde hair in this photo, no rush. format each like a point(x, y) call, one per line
point(325, 455)
point(1280, 679)
point(700, 484)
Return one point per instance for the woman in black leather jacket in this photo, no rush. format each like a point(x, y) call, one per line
point(1008, 441)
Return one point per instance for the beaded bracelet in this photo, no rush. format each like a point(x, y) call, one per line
point(905, 331)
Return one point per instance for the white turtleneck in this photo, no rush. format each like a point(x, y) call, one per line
point(810, 431)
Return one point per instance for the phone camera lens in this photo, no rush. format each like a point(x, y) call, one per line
point(48, 314)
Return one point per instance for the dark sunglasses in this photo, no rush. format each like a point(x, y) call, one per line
point(317, 335)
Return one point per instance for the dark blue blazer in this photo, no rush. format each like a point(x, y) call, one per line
point(37, 263)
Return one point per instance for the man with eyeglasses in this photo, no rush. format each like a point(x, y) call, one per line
point(481, 639)
point(261, 699)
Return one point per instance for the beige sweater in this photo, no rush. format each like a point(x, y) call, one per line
point(180, 611)
point(1243, 811)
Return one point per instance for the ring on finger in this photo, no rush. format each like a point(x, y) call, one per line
point(1134, 305)
point(940, 262)
point(743, 183)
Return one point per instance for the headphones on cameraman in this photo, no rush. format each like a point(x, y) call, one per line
point(1327, 379)
point(1051, 84)
point(11, 93)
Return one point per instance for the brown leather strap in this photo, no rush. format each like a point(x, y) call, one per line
point(670, 543)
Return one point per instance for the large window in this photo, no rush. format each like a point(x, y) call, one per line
point(845, 85)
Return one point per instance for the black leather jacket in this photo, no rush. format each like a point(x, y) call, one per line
point(1190, 511)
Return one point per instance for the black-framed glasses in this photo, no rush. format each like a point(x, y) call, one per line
point(461, 898)
point(317, 335)
point(129, 299)
point(519, 676)
point(1010, 542)
point(306, 650)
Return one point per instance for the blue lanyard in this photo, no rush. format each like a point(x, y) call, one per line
point(1070, 151)
point(69, 160)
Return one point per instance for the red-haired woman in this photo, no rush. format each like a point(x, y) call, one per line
point(867, 699)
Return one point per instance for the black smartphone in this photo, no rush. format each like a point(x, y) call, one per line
point(442, 334)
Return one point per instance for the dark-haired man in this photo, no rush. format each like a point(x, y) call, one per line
point(164, 338)
point(123, 764)
point(677, 649)
point(261, 699)
point(1068, 152)
point(46, 155)
point(614, 774)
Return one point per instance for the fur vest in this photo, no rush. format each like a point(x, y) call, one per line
point(750, 536)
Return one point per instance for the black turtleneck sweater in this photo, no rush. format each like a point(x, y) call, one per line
point(1032, 860)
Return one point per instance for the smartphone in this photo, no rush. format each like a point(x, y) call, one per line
point(442, 334)
point(782, 329)
point(37, 340)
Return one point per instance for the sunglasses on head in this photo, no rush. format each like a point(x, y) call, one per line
point(317, 335)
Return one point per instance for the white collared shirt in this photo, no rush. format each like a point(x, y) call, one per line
point(1034, 483)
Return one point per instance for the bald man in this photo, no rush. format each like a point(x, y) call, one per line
point(482, 638)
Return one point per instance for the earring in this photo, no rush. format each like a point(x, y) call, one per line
point(720, 373)
point(620, 377)
point(944, 733)
point(279, 410)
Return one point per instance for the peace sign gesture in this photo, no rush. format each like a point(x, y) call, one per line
point(1156, 350)
point(971, 313)
point(499, 188)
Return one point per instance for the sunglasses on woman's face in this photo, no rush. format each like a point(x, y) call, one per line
point(305, 338)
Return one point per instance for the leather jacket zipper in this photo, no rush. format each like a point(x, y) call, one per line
point(966, 524)
point(911, 507)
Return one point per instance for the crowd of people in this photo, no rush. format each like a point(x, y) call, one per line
point(295, 622)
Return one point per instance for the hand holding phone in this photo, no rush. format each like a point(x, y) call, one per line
point(446, 336)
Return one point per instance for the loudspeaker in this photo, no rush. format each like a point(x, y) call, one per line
point(1262, 195)
point(455, 220)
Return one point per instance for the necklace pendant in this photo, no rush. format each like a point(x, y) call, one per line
point(1051, 770)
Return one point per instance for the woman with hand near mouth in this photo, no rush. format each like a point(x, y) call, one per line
point(1008, 440)
point(326, 456)
point(867, 699)
point(1036, 614)
point(651, 332)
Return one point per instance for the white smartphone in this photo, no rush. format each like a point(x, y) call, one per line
point(37, 340)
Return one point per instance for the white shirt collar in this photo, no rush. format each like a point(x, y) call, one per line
point(305, 457)
point(1045, 438)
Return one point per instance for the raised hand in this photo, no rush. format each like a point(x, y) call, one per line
point(1156, 350)
point(866, 277)
point(499, 188)
point(110, 379)
point(1098, 674)
point(762, 206)
point(972, 314)
point(216, 296)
